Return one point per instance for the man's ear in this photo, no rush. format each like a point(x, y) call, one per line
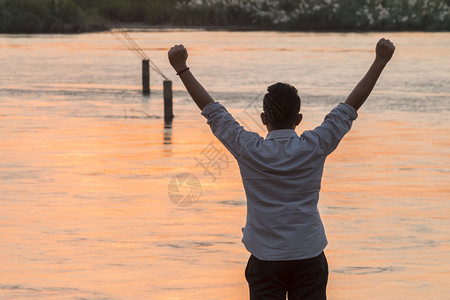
point(299, 119)
point(263, 118)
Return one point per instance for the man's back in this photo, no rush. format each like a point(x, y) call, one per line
point(281, 175)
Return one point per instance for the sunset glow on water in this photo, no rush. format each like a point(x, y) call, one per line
point(86, 161)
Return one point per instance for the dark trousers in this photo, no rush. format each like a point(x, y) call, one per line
point(300, 279)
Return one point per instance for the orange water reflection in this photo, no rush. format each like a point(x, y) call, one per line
point(85, 171)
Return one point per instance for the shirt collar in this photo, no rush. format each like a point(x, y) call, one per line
point(281, 133)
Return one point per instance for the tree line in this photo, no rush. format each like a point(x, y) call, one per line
point(71, 16)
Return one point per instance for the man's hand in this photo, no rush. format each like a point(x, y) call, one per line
point(384, 50)
point(177, 57)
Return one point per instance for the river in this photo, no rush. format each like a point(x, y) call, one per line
point(87, 164)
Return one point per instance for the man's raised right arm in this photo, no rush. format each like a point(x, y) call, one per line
point(384, 51)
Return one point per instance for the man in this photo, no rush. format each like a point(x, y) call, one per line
point(282, 175)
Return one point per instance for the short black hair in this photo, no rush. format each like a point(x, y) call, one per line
point(281, 105)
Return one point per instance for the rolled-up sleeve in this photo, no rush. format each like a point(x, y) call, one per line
point(232, 135)
point(336, 124)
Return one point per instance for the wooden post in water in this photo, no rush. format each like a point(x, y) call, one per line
point(146, 77)
point(168, 112)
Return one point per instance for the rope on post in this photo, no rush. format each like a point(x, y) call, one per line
point(121, 35)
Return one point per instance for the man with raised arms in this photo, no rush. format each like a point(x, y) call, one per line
point(282, 175)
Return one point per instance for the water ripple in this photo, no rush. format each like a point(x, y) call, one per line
point(366, 270)
point(47, 291)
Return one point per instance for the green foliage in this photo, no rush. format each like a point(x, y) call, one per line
point(36, 16)
point(320, 15)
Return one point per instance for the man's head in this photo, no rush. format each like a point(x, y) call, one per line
point(281, 107)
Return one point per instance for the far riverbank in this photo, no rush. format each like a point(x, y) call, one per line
point(76, 16)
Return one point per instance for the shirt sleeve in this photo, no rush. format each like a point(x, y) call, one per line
point(227, 130)
point(336, 124)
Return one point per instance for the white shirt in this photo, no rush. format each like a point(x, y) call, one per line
point(281, 175)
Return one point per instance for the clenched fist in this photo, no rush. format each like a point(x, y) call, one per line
point(384, 50)
point(177, 57)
